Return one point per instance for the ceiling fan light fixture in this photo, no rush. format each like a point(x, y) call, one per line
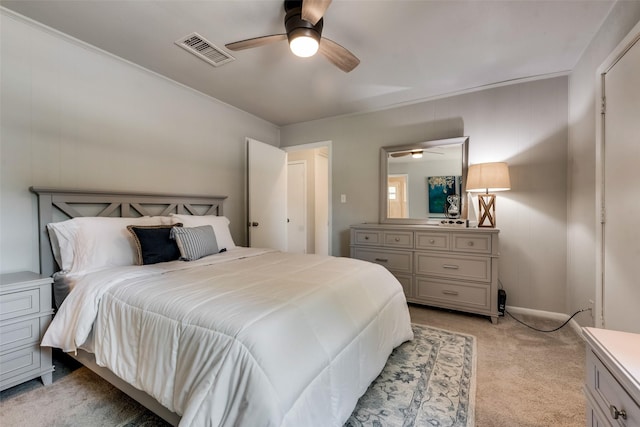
point(416, 154)
point(304, 37)
point(304, 45)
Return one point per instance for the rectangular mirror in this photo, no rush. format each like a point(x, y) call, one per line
point(416, 180)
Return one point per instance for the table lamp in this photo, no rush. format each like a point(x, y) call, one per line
point(488, 177)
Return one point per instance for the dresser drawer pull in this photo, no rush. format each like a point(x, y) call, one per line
point(382, 260)
point(432, 241)
point(615, 413)
point(450, 292)
point(450, 266)
point(366, 237)
point(397, 239)
point(469, 243)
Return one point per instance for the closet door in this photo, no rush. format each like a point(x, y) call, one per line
point(621, 192)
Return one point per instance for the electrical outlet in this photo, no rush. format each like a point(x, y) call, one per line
point(591, 307)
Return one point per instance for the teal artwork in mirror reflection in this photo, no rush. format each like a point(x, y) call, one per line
point(438, 189)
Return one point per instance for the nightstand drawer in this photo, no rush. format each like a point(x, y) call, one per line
point(399, 239)
point(468, 242)
point(367, 237)
point(17, 334)
point(16, 304)
point(20, 361)
point(398, 261)
point(453, 294)
point(436, 241)
point(454, 266)
point(609, 394)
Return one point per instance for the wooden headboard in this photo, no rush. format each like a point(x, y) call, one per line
point(57, 204)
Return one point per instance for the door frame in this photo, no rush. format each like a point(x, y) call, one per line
point(311, 146)
point(611, 60)
point(303, 163)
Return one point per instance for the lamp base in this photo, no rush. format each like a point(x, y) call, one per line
point(487, 210)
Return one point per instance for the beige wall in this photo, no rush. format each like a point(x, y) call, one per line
point(73, 116)
point(581, 250)
point(524, 124)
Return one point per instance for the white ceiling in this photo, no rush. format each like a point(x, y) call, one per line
point(410, 50)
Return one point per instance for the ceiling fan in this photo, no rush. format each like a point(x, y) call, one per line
point(303, 22)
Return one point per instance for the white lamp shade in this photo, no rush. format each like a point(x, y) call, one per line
point(488, 177)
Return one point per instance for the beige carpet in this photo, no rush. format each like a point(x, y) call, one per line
point(80, 395)
point(524, 379)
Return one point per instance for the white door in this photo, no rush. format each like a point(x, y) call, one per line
point(267, 195)
point(621, 190)
point(297, 207)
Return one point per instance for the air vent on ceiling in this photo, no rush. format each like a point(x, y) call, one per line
point(204, 49)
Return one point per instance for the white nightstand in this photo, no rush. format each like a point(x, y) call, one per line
point(25, 313)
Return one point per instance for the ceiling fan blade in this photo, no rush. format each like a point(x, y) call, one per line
point(313, 10)
point(255, 42)
point(338, 55)
point(400, 154)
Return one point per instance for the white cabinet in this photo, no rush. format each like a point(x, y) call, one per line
point(443, 267)
point(612, 383)
point(25, 313)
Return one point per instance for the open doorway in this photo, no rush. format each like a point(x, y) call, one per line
point(397, 197)
point(316, 220)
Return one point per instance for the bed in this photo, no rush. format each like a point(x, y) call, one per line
point(238, 336)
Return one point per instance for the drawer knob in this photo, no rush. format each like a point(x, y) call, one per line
point(397, 239)
point(615, 413)
point(450, 293)
point(450, 266)
point(382, 260)
point(366, 237)
point(432, 241)
point(469, 243)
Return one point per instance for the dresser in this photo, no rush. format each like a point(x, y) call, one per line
point(25, 313)
point(455, 268)
point(612, 380)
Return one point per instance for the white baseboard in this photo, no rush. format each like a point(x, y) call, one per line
point(547, 315)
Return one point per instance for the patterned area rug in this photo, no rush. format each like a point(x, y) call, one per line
point(429, 381)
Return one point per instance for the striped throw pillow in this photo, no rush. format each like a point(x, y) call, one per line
point(195, 242)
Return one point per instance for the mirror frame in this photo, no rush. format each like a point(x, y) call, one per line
point(384, 154)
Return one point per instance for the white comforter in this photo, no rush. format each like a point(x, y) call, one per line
point(244, 338)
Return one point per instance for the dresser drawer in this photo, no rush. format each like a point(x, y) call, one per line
point(367, 237)
point(435, 241)
point(406, 280)
point(609, 394)
point(454, 266)
point(398, 261)
point(398, 239)
point(453, 294)
point(17, 334)
point(470, 242)
point(16, 304)
point(19, 361)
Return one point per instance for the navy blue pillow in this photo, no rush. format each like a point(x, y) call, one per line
point(154, 243)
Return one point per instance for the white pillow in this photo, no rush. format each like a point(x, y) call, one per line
point(220, 226)
point(62, 235)
point(89, 243)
